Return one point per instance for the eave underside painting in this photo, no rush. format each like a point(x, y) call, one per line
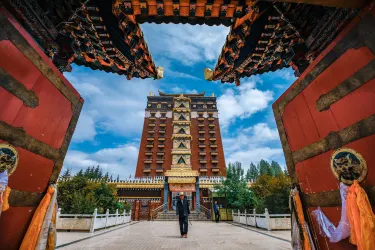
point(106, 35)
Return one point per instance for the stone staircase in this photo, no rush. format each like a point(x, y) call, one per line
point(171, 216)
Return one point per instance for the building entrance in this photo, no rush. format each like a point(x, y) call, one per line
point(176, 197)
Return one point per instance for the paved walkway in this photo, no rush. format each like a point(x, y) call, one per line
point(165, 235)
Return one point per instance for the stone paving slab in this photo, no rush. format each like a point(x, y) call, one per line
point(165, 235)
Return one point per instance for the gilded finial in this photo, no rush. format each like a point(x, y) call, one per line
point(151, 94)
point(213, 94)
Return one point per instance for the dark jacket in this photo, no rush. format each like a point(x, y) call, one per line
point(182, 208)
point(216, 208)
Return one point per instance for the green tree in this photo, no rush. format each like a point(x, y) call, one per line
point(235, 188)
point(252, 172)
point(276, 168)
point(265, 168)
point(79, 195)
point(271, 192)
point(87, 172)
point(80, 173)
point(66, 174)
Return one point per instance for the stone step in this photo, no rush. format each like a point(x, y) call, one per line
point(171, 216)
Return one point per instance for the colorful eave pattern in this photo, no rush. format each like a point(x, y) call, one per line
point(96, 34)
point(105, 34)
point(209, 12)
point(273, 36)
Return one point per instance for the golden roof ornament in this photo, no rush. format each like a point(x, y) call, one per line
point(159, 72)
point(208, 74)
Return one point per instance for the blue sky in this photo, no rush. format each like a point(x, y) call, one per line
point(110, 126)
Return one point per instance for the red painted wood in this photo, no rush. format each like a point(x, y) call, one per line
point(355, 106)
point(315, 175)
point(42, 122)
point(13, 224)
point(293, 128)
point(10, 106)
point(46, 59)
point(16, 64)
point(48, 123)
point(342, 34)
point(33, 172)
point(305, 125)
point(324, 121)
point(305, 119)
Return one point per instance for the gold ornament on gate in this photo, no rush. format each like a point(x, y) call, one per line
point(8, 158)
point(348, 165)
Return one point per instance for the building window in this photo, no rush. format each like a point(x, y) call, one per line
point(203, 174)
point(147, 174)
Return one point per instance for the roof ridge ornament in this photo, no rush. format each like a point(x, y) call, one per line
point(208, 74)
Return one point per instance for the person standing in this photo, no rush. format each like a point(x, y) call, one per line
point(183, 211)
point(216, 211)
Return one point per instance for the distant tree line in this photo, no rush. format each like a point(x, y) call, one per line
point(270, 187)
point(79, 194)
point(91, 173)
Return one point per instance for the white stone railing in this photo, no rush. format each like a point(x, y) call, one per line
point(265, 221)
point(90, 222)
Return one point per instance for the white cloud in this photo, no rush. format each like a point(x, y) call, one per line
point(242, 102)
point(178, 90)
point(112, 104)
point(185, 43)
point(120, 160)
point(253, 144)
point(256, 136)
point(85, 130)
point(286, 74)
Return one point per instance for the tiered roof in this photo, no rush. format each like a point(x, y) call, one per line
point(273, 36)
point(102, 34)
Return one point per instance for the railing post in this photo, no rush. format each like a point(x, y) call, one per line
point(130, 216)
point(93, 219)
point(58, 213)
point(232, 215)
point(245, 217)
point(106, 218)
point(268, 220)
point(255, 218)
point(116, 217)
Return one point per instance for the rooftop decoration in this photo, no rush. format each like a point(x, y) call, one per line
point(105, 35)
point(273, 36)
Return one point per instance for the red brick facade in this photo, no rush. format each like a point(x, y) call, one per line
point(156, 143)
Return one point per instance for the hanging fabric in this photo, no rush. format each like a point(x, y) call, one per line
point(30, 240)
point(296, 231)
point(327, 229)
point(361, 218)
point(307, 239)
point(48, 224)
